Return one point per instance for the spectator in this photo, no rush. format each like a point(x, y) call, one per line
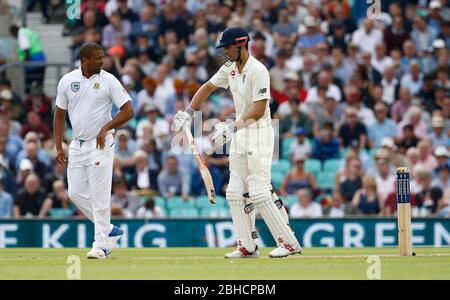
point(383, 126)
point(352, 181)
point(401, 106)
point(29, 49)
point(385, 179)
point(31, 199)
point(143, 176)
point(366, 199)
point(32, 138)
point(443, 180)
point(59, 197)
point(390, 85)
point(124, 199)
point(368, 70)
point(442, 156)
point(337, 208)
point(381, 61)
point(38, 102)
point(6, 203)
point(295, 118)
point(150, 210)
point(367, 36)
point(339, 37)
point(426, 159)
point(390, 204)
point(39, 167)
point(413, 80)
point(125, 148)
point(438, 137)
point(308, 74)
point(323, 81)
point(171, 181)
point(278, 71)
point(305, 207)
point(353, 99)
point(159, 127)
point(312, 36)
point(427, 197)
point(35, 123)
point(324, 112)
point(409, 139)
point(301, 146)
point(412, 117)
point(125, 12)
point(396, 34)
point(356, 150)
point(116, 25)
point(343, 67)
point(148, 24)
point(58, 174)
point(326, 145)
point(352, 129)
point(297, 178)
point(422, 35)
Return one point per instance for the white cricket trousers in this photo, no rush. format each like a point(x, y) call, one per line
point(89, 175)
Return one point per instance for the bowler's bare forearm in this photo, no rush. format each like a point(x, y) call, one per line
point(125, 114)
point(59, 126)
point(201, 95)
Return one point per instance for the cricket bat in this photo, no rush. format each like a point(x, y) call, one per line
point(206, 175)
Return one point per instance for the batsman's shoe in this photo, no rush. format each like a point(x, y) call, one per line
point(242, 253)
point(284, 250)
point(97, 253)
point(114, 235)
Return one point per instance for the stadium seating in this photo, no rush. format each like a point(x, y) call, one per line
point(326, 180)
point(160, 201)
point(313, 166)
point(332, 165)
point(277, 179)
point(183, 212)
point(290, 200)
point(178, 202)
point(285, 146)
point(281, 166)
point(60, 212)
point(203, 201)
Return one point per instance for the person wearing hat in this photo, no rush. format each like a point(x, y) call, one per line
point(393, 156)
point(443, 158)
point(250, 162)
point(301, 144)
point(312, 35)
point(442, 180)
point(339, 37)
point(147, 94)
point(434, 18)
point(6, 97)
point(438, 136)
point(160, 126)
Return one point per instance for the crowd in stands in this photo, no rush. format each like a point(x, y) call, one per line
point(353, 98)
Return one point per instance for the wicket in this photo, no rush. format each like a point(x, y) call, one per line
point(403, 212)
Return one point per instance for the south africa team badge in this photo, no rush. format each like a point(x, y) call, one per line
point(96, 86)
point(75, 86)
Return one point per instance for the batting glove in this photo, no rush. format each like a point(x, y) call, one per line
point(223, 133)
point(183, 119)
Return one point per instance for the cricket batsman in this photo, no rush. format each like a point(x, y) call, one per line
point(251, 149)
point(87, 94)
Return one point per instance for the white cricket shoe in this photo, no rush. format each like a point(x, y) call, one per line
point(284, 250)
point(97, 253)
point(242, 253)
point(114, 235)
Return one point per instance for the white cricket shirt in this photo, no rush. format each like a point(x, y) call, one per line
point(252, 85)
point(89, 101)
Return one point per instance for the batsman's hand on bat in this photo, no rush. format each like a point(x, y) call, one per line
point(60, 156)
point(224, 133)
point(183, 119)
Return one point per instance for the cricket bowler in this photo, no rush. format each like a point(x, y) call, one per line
point(251, 149)
point(87, 94)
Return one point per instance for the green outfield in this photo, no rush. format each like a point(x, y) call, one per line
point(206, 263)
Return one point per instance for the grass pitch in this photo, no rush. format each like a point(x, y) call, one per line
point(207, 263)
